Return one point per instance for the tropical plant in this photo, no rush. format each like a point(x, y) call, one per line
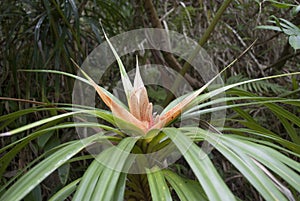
point(271, 169)
point(283, 25)
point(288, 28)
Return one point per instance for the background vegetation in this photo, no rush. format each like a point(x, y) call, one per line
point(46, 34)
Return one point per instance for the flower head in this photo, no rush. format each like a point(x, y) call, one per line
point(140, 110)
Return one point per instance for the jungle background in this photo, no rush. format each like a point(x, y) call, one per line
point(46, 34)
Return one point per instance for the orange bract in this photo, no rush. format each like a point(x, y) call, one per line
point(140, 111)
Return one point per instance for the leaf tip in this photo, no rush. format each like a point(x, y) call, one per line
point(5, 134)
point(75, 64)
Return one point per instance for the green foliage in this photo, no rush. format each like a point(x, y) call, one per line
point(45, 35)
point(281, 4)
point(251, 156)
point(288, 28)
point(264, 86)
point(258, 155)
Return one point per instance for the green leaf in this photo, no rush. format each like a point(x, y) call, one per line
point(38, 123)
point(254, 174)
point(243, 154)
point(63, 193)
point(251, 123)
point(120, 188)
point(158, 186)
point(273, 160)
point(281, 4)
point(220, 90)
point(87, 81)
point(34, 195)
point(96, 112)
point(206, 173)
point(37, 174)
point(290, 145)
point(107, 182)
point(282, 114)
point(296, 10)
point(295, 30)
point(269, 27)
point(290, 130)
point(186, 189)
point(295, 42)
point(88, 182)
point(42, 140)
point(63, 173)
point(20, 144)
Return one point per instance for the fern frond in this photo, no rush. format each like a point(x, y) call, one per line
point(263, 86)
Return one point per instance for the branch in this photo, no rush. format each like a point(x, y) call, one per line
point(206, 34)
point(169, 58)
point(201, 42)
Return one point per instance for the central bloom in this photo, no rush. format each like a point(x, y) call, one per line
point(140, 111)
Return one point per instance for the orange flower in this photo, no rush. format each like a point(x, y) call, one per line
point(140, 112)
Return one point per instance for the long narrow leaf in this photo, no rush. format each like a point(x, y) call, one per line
point(66, 191)
point(241, 155)
point(186, 189)
point(158, 186)
point(125, 79)
point(103, 183)
point(37, 174)
point(112, 177)
point(213, 185)
point(225, 88)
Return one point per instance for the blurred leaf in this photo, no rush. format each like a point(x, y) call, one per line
point(280, 4)
point(34, 195)
point(295, 42)
point(158, 186)
point(282, 114)
point(186, 189)
point(89, 181)
point(269, 27)
point(63, 173)
point(288, 28)
point(157, 94)
point(256, 87)
point(296, 10)
point(42, 140)
point(63, 193)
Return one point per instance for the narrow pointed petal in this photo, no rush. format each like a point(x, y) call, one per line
point(176, 111)
point(145, 109)
point(106, 99)
point(101, 92)
point(125, 115)
point(125, 79)
point(138, 82)
point(159, 124)
point(173, 113)
point(133, 104)
point(148, 114)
